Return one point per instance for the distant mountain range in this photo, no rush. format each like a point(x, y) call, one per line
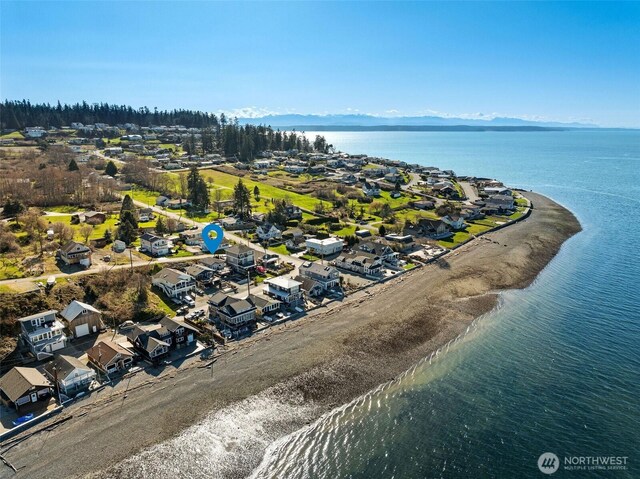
point(369, 122)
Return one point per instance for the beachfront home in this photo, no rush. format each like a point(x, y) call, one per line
point(436, 229)
point(23, 386)
point(43, 333)
point(284, 289)
point(379, 249)
point(455, 221)
point(181, 333)
point(110, 357)
point(310, 287)
point(152, 345)
point(324, 247)
point(154, 245)
point(175, 284)
point(498, 190)
point(265, 305)
point(326, 276)
point(240, 258)
point(501, 203)
point(82, 319)
point(71, 374)
point(75, 253)
point(360, 262)
point(235, 314)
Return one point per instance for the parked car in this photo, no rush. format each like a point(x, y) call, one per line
point(181, 311)
point(188, 300)
point(127, 325)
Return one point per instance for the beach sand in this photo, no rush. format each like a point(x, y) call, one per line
point(328, 358)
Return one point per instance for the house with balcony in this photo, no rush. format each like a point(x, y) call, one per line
point(380, 249)
point(71, 374)
point(326, 276)
point(367, 264)
point(175, 284)
point(284, 289)
point(43, 333)
point(75, 253)
point(240, 258)
point(154, 245)
point(234, 314)
point(153, 345)
point(23, 386)
point(110, 357)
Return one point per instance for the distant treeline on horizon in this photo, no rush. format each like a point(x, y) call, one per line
point(218, 134)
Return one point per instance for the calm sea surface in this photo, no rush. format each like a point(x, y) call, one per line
point(556, 368)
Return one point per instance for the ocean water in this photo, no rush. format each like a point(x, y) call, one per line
point(555, 368)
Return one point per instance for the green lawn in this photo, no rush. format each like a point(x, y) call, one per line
point(348, 230)
point(62, 209)
point(521, 202)
point(16, 135)
point(395, 202)
point(280, 249)
point(457, 238)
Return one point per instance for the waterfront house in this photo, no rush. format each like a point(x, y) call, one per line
point(498, 190)
point(324, 247)
point(455, 221)
point(360, 262)
point(326, 276)
point(371, 188)
point(436, 229)
point(235, 314)
point(71, 374)
point(75, 253)
point(43, 333)
point(175, 284)
point(154, 245)
point(152, 345)
point(110, 357)
point(82, 319)
point(310, 287)
point(284, 289)
point(265, 305)
point(22, 386)
point(240, 258)
point(267, 232)
point(379, 249)
point(181, 333)
point(502, 203)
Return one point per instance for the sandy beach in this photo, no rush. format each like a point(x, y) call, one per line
point(328, 358)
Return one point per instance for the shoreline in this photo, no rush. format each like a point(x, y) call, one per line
point(327, 359)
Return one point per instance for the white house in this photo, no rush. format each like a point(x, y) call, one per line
point(240, 258)
point(324, 247)
point(71, 374)
point(455, 221)
point(268, 232)
point(173, 283)
point(360, 262)
point(154, 245)
point(43, 333)
point(498, 190)
point(326, 276)
point(371, 188)
point(284, 289)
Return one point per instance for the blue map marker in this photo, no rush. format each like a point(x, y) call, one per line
point(212, 243)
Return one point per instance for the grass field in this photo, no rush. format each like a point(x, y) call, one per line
point(16, 135)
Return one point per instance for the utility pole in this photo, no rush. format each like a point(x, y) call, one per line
point(131, 257)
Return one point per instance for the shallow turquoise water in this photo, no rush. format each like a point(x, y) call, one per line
point(555, 368)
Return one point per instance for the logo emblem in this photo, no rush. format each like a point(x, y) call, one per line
point(548, 463)
point(212, 244)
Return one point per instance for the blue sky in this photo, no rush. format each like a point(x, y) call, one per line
point(571, 61)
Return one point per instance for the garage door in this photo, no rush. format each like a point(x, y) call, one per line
point(82, 330)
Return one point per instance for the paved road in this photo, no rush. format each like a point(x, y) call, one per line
point(469, 191)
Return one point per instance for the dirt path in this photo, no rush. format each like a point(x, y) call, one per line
point(330, 357)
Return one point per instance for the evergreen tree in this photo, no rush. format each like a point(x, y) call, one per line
point(256, 193)
point(111, 169)
point(161, 228)
point(198, 192)
point(128, 228)
point(73, 166)
point(241, 200)
point(12, 208)
point(382, 230)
